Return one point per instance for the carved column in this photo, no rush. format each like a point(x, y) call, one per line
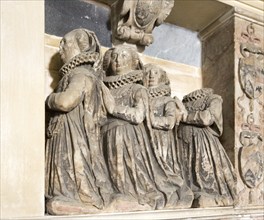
point(233, 65)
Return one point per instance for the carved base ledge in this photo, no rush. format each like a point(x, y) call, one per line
point(197, 213)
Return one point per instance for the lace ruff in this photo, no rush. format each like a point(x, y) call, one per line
point(83, 58)
point(162, 90)
point(197, 100)
point(114, 82)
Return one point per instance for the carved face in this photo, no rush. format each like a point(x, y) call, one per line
point(121, 61)
point(154, 75)
point(69, 47)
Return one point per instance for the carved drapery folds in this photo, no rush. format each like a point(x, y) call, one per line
point(117, 140)
point(205, 164)
point(251, 115)
point(134, 21)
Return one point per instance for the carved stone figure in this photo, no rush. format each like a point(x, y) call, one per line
point(205, 164)
point(133, 21)
point(133, 167)
point(77, 180)
point(126, 141)
point(165, 113)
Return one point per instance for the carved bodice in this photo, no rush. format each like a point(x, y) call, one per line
point(125, 95)
point(158, 105)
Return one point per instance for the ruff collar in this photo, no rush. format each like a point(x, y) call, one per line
point(159, 91)
point(197, 100)
point(197, 94)
point(92, 58)
point(114, 82)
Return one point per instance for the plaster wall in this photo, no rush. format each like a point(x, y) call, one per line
point(22, 109)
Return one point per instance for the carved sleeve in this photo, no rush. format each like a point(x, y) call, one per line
point(68, 99)
point(211, 116)
point(108, 99)
point(181, 112)
point(137, 113)
point(202, 118)
point(167, 121)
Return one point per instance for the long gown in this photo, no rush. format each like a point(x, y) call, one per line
point(163, 110)
point(75, 168)
point(133, 167)
point(205, 164)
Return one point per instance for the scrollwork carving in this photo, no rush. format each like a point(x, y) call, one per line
point(133, 21)
point(251, 76)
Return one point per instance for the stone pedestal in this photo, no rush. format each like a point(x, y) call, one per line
point(233, 53)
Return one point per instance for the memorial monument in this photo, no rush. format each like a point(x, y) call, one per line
point(130, 134)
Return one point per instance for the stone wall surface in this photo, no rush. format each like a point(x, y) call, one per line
point(218, 73)
point(233, 65)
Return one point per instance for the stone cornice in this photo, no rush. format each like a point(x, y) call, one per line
point(253, 9)
point(247, 10)
point(251, 5)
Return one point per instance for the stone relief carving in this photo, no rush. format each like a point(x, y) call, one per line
point(134, 21)
point(77, 179)
point(251, 75)
point(251, 67)
point(205, 164)
point(251, 153)
point(154, 169)
point(165, 113)
point(117, 140)
point(133, 166)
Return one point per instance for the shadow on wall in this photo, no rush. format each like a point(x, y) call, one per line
point(63, 16)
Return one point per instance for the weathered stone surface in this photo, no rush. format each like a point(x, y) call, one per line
point(233, 66)
point(76, 174)
point(127, 137)
point(249, 112)
point(205, 165)
point(218, 73)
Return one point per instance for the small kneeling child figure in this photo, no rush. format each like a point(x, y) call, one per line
point(165, 115)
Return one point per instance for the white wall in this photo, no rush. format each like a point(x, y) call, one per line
point(22, 108)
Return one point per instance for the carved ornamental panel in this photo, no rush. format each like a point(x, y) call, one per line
point(134, 21)
point(251, 115)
